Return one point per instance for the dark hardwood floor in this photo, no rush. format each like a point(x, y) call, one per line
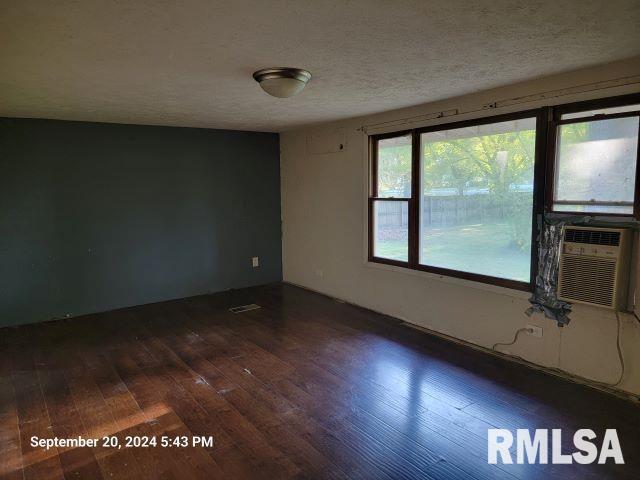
point(305, 387)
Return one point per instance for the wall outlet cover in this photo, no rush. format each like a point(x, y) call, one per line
point(534, 331)
point(255, 262)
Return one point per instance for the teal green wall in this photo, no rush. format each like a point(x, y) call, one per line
point(95, 217)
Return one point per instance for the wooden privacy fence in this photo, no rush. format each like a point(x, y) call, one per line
point(451, 210)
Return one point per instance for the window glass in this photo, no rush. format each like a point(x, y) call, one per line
point(596, 166)
point(476, 201)
point(391, 229)
point(394, 167)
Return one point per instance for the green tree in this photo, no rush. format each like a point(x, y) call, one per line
point(499, 162)
point(394, 170)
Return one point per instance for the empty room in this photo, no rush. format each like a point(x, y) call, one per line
point(319, 239)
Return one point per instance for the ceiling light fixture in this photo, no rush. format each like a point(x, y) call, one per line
point(282, 82)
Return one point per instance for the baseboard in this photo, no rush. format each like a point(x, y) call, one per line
point(512, 358)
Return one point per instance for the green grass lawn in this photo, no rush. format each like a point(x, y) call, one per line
point(486, 249)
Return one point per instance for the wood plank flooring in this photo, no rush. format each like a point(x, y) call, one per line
point(305, 387)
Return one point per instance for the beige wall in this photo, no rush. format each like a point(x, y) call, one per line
point(324, 240)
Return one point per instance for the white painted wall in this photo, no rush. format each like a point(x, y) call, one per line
point(324, 194)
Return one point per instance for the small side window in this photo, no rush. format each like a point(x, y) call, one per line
point(596, 155)
point(390, 197)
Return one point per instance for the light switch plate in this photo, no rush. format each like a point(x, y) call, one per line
point(255, 262)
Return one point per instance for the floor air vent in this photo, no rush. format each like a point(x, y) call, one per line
point(244, 308)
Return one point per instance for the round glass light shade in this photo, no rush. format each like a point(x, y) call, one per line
point(282, 82)
point(282, 87)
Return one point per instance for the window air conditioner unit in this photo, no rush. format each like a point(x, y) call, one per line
point(594, 266)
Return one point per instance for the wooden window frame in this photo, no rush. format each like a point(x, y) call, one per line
point(541, 115)
point(556, 121)
point(547, 121)
point(373, 194)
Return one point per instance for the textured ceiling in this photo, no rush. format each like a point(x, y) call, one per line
point(189, 62)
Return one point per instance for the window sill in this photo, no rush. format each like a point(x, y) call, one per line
point(510, 292)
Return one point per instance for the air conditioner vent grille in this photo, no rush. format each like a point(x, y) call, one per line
point(594, 237)
point(588, 279)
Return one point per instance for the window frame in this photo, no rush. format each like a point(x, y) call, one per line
point(548, 119)
point(373, 195)
point(555, 123)
point(541, 116)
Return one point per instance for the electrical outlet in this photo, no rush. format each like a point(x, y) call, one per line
point(255, 262)
point(319, 273)
point(534, 331)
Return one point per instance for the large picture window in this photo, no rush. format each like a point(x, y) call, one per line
point(476, 198)
point(457, 199)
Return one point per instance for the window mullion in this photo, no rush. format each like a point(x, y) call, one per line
point(414, 204)
point(374, 168)
point(550, 158)
point(636, 193)
point(542, 168)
